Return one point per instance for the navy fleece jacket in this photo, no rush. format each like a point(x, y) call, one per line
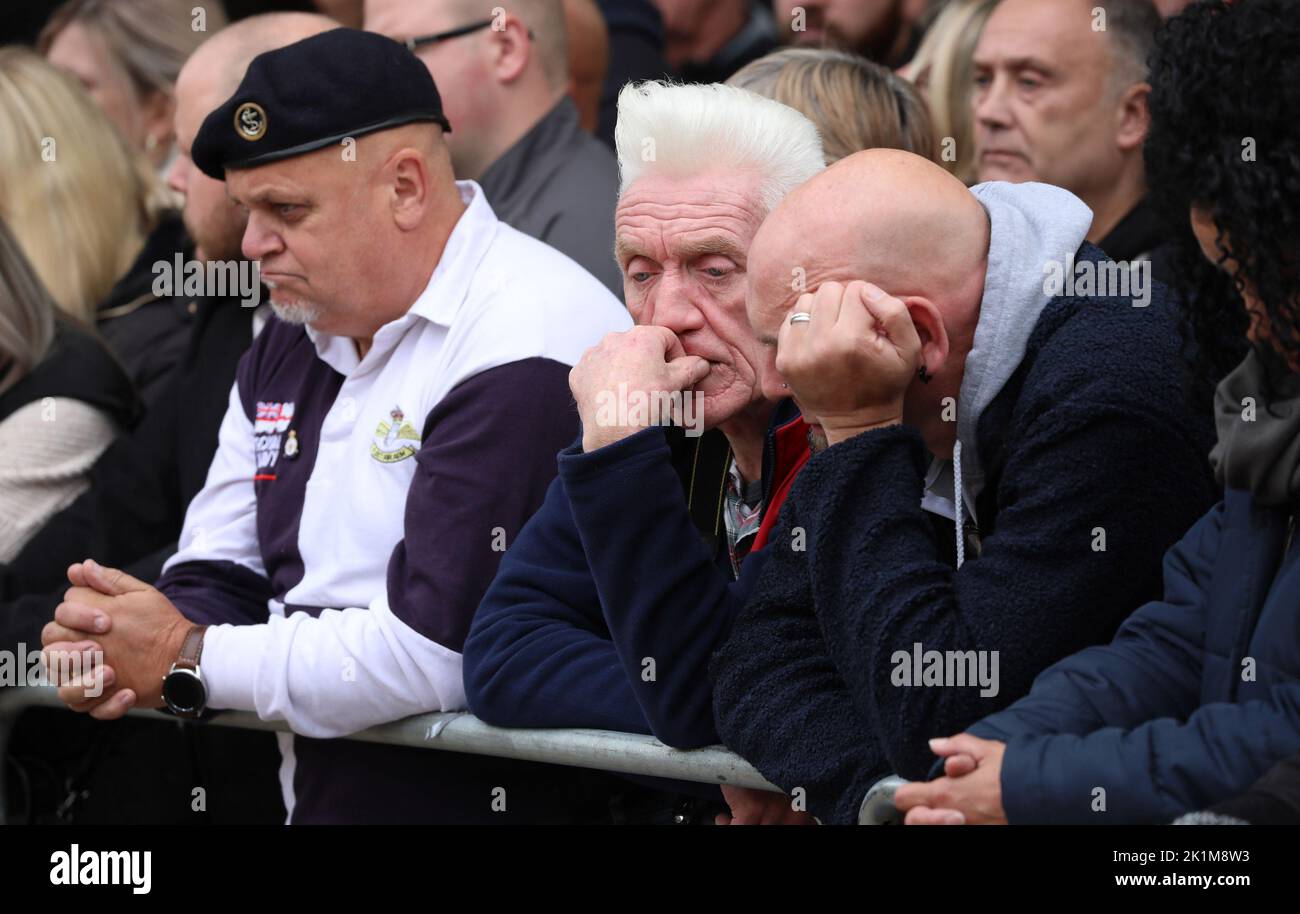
point(607, 608)
point(1090, 430)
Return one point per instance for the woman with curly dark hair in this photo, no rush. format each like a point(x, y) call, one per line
point(1198, 695)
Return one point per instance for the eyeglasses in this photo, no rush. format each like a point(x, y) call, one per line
point(413, 43)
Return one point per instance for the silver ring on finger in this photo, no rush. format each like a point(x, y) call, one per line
point(800, 317)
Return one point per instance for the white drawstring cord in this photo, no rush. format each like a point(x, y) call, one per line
point(960, 500)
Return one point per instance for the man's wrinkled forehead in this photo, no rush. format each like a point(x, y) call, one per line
point(663, 216)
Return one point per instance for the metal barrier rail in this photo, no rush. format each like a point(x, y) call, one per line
point(878, 807)
point(606, 750)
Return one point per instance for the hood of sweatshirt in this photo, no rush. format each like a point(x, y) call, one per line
point(1031, 225)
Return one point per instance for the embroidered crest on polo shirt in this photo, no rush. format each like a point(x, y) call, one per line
point(393, 438)
point(269, 425)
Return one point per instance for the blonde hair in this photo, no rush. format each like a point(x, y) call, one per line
point(78, 199)
point(151, 39)
point(856, 104)
point(943, 69)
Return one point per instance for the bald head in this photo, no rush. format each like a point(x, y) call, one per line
point(899, 221)
point(210, 76)
point(883, 215)
point(215, 70)
point(376, 150)
point(221, 61)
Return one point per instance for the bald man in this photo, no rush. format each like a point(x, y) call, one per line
point(999, 468)
point(504, 70)
point(388, 433)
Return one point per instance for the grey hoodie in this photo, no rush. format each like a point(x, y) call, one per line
point(1030, 225)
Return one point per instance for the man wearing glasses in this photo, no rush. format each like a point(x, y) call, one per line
point(516, 132)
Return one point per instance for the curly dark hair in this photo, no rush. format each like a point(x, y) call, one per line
point(1225, 98)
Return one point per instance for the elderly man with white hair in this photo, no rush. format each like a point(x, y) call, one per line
point(609, 604)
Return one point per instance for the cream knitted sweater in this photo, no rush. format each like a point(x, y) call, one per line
point(46, 451)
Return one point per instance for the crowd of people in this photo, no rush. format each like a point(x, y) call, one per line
point(870, 386)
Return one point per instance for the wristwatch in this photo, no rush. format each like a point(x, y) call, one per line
point(183, 690)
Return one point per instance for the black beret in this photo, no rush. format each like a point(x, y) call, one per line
point(314, 92)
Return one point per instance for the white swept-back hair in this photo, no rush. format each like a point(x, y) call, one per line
point(688, 129)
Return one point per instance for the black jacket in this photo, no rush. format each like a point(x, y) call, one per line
point(78, 367)
point(1091, 431)
point(1140, 235)
point(148, 334)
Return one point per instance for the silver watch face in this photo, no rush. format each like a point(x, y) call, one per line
point(184, 692)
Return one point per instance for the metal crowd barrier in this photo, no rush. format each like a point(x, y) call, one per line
point(605, 750)
point(878, 808)
point(625, 753)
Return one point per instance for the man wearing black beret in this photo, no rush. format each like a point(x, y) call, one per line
point(389, 432)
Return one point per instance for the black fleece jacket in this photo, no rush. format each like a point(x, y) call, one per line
point(1093, 430)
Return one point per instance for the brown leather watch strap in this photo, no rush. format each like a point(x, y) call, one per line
point(192, 647)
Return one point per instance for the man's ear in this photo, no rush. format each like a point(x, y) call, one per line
point(409, 180)
point(1134, 117)
point(931, 330)
point(511, 48)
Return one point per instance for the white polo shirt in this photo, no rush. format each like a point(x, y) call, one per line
point(356, 509)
